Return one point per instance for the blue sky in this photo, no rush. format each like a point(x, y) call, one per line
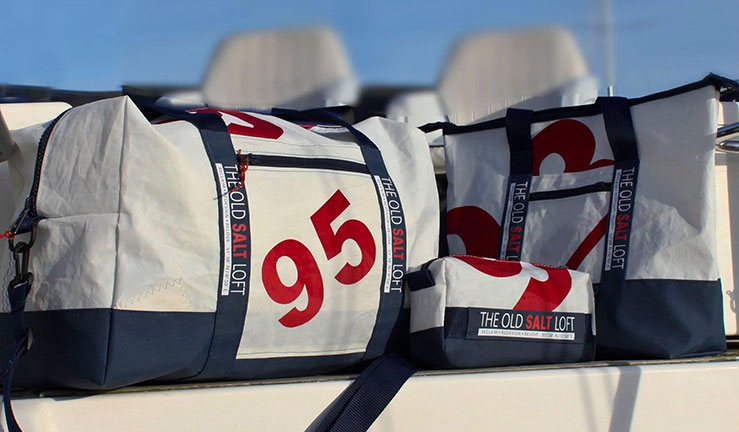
point(99, 45)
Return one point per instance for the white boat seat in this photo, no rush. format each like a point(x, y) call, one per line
point(534, 69)
point(298, 69)
point(20, 115)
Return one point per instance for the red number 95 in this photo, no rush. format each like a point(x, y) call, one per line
point(309, 275)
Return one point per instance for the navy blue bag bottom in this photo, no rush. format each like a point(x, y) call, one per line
point(100, 349)
point(659, 319)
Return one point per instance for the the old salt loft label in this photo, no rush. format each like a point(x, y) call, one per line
point(235, 231)
point(622, 213)
point(527, 325)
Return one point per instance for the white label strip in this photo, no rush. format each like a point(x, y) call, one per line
point(507, 222)
point(388, 236)
point(612, 219)
point(528, 334)
point(226, 212)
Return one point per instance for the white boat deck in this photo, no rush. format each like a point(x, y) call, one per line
point(690, 394)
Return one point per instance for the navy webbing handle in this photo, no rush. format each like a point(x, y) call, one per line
point(622, 139)
point(363, 401)
point(515, 209)
point(370, 152)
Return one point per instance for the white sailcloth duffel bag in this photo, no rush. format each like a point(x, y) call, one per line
point(622, 189)
point(228, 246)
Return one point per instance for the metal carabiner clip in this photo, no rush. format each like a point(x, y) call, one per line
point(21, 252)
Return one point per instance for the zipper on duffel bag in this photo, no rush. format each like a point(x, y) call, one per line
point(566, 193)
point(306, 163)
point(30, 210)
point(42, 144)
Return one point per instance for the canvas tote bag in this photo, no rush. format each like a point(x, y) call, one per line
point(622, 189)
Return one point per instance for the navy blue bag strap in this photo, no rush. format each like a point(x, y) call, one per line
point(622, 139)
point(518, 134)
point(231, 304)
point(17, 292)
point(348, 113)
point(357, 407)
point(369, 150)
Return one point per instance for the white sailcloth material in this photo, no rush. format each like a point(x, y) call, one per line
point(143, 235)
point(650, 222)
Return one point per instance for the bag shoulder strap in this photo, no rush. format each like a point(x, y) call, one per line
point(518, 134)
point(622, 139)
point(357, 407)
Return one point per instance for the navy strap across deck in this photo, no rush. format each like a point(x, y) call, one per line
point(357, 407)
